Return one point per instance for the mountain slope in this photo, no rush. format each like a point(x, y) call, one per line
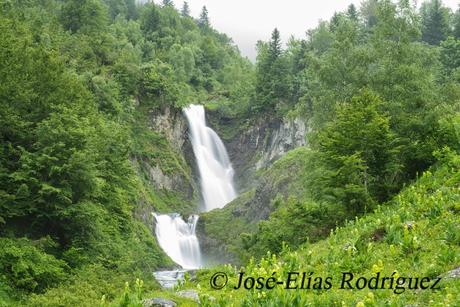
point(416, 235)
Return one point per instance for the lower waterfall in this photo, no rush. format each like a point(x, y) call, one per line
point(177, 238)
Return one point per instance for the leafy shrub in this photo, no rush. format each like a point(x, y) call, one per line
point(294, 223)
point(26, 267)
point(358, 163)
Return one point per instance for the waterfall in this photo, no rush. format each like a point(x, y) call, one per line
point(216, 172)
point(175, 236)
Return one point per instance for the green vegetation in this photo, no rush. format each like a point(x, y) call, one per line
point(82, 164)
point(376, 94)
point(380, 88)
point(415, 234)
point(357, 156)
point(79, 82)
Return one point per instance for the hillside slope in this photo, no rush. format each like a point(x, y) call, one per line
point(415, 235)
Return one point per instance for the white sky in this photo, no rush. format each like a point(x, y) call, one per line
point(247, 21)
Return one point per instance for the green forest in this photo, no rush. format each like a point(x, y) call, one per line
point(375, 188)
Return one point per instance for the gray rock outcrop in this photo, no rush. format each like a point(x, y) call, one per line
point(158, 302)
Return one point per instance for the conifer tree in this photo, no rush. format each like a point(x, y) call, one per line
point(272, 72)
point(352, 12)
point(203, 21)
point(150, 20)
point(435, 22)
point(185, 11)
point(167, 3)
point(368, 11)
point(456, 24)
point(274, 49)
point(335, 21)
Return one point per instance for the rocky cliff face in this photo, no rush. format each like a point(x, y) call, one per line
point(250, 150)
point(171, 182)
point(260, 145)
point(173, 126)
point(274, 140)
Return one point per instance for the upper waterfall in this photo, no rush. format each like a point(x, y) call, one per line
point(215, 169)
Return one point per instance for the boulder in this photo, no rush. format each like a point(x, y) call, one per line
point(158, 302)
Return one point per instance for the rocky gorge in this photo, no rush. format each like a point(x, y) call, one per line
point(253, 149)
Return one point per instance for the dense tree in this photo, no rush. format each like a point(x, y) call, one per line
point(341, 58)
point(272, 73)
point(203, 20)
point(125, 8)
point(87, 15)
point(456, 24)
point(150, 19)
point(450, 59)
point(406, 82)
point(167, 3)
point(320, 39)
point(435, 22)
point(352, 12)
point(368, 11)
point(358, 155)
point(157, 84)
point(185, 11)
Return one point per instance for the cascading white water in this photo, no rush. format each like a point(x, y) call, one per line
point(176, 237)
point(216, 172)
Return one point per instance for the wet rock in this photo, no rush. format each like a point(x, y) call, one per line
point(158, 302)
point(158, 178)
point(455, 273)
point(172, 125)
point(264, 143)
point(169, 279)
point(258, 146)
point(289, 134)
point(252, 149)
point(179, 181)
